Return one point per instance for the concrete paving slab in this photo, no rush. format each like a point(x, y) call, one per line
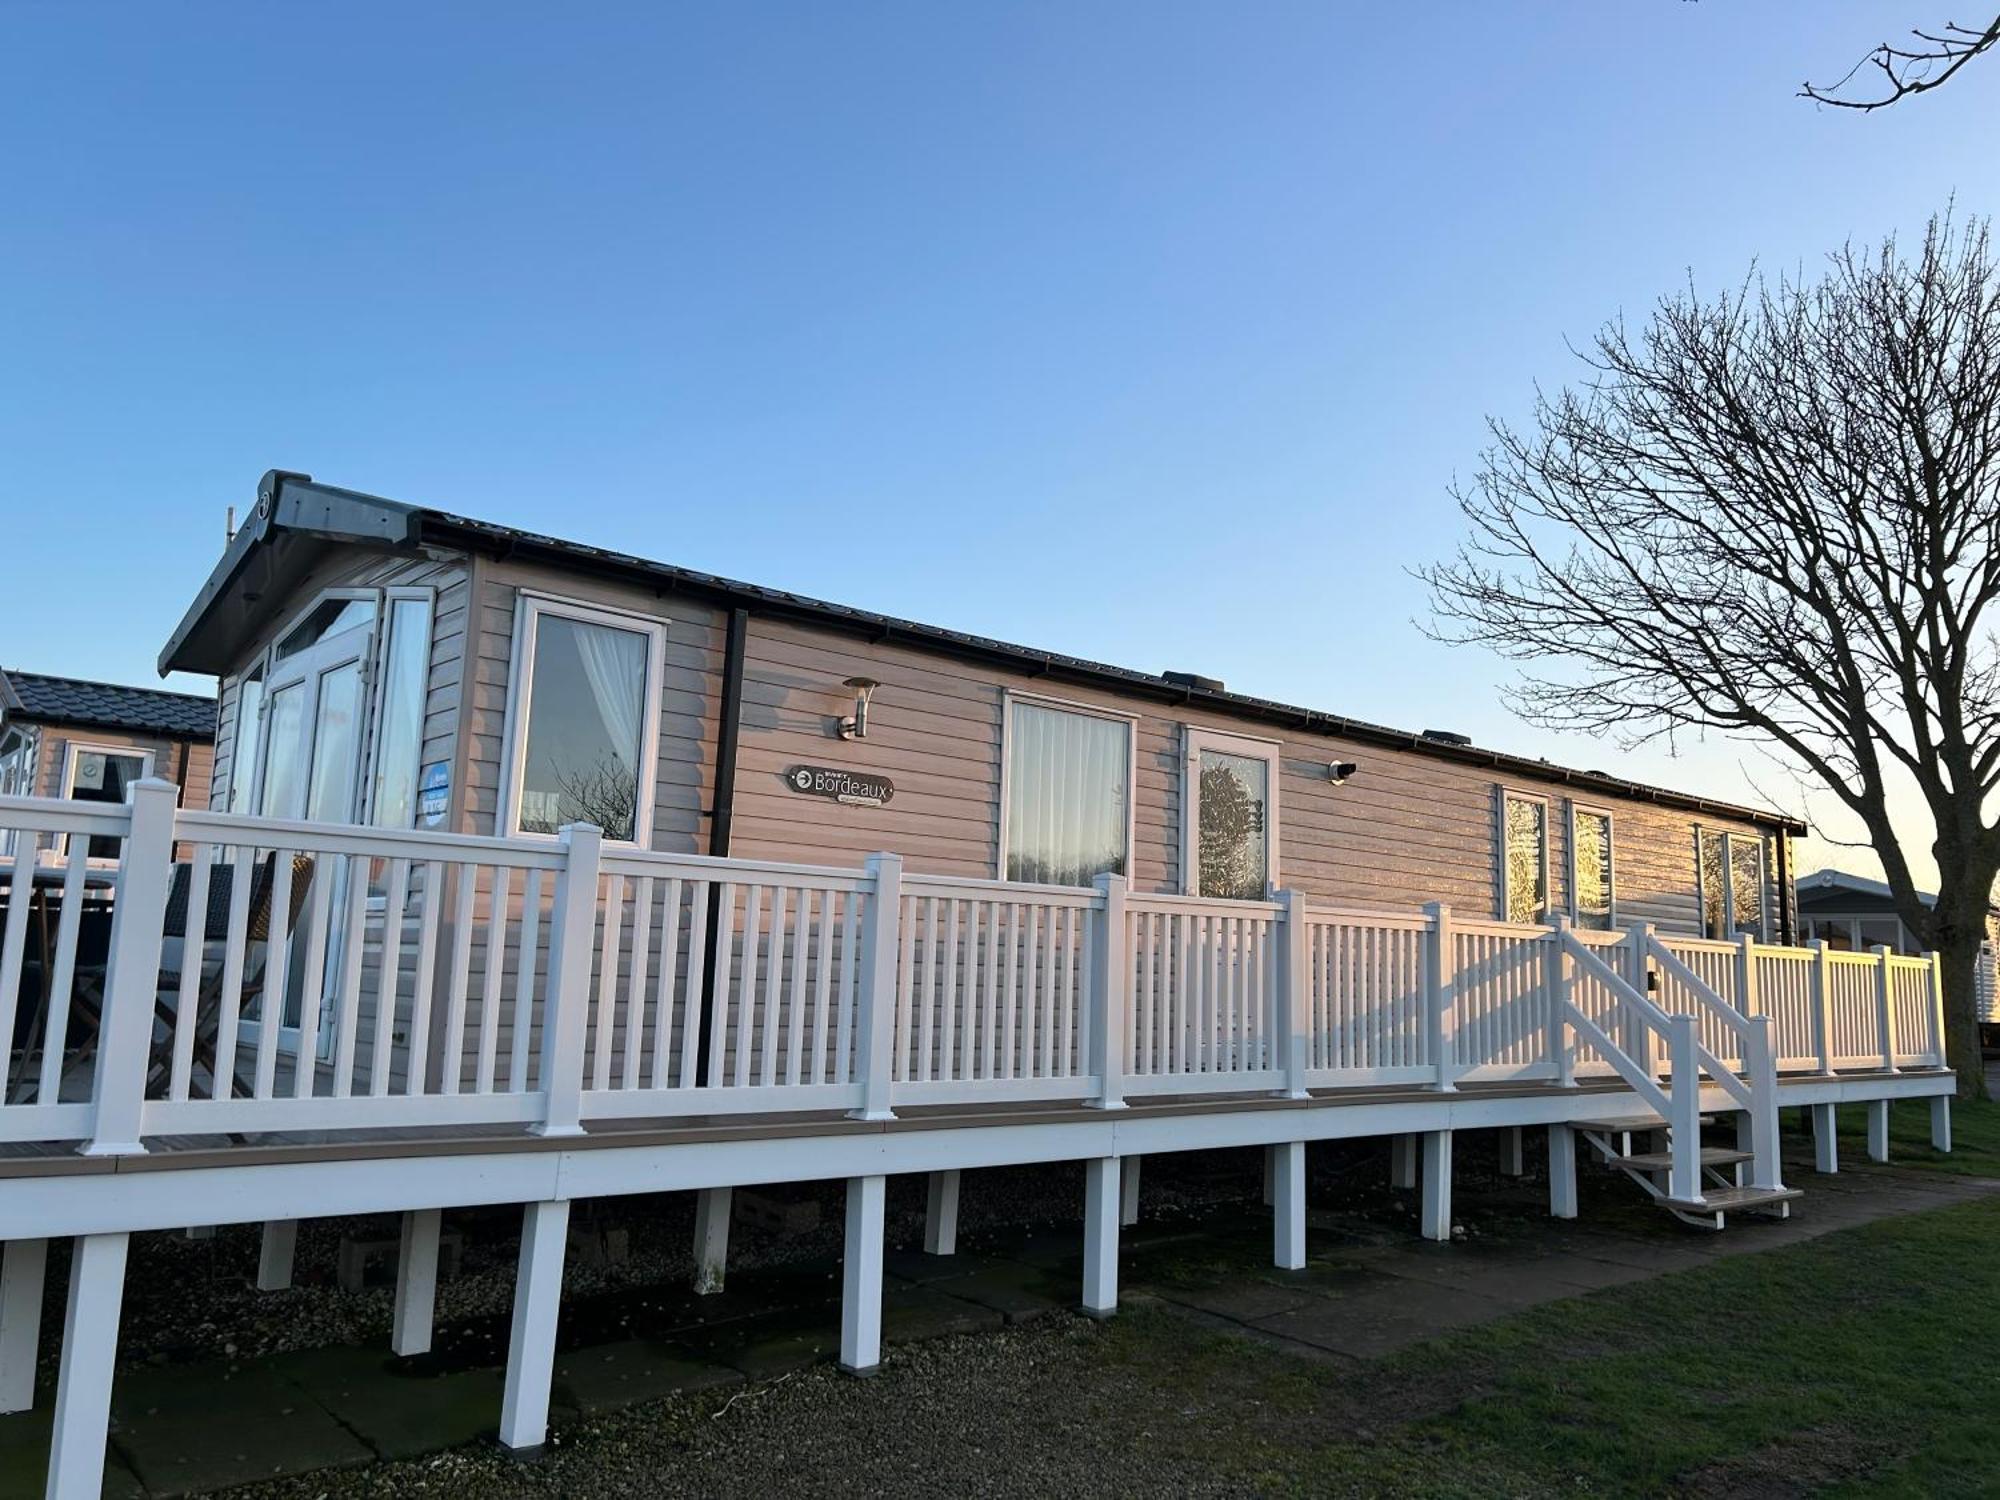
point(396, 1411)
point(187, 1429)
point(610, 1377)
point(1243, 1301)
point(1370, 1327)
point(24, 1458)
point(911, 1314)
point(760, 1353)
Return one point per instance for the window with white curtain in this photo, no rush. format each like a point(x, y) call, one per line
point(584, 719)
point(1068, 801)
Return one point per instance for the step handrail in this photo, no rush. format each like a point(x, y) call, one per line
point(1757, 1091)
point(1680, 1103)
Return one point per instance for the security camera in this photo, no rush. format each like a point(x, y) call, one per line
point(1340, 770)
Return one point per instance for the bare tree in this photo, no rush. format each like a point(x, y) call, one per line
point(1774, 513)
point(607, 794)
point(1929, 60)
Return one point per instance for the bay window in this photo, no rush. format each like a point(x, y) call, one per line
point(1066, 799)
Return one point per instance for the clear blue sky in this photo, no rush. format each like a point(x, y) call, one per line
point(1151, 332)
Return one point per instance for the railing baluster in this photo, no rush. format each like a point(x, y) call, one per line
point(416, 1078)
point(527, 961)
point(277, 961)
point(312, 982)
point(222, 1068)
point(634, 1042)
point(187, 995)
point(499, 899)
point(388, 980)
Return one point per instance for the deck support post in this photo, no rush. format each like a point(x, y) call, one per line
point(416, 1281)
point(1437, 1185)
point(531, 1347)
point(23, 1266)
point(1402, 1161)
point(274, 1255)
point(1878, 1129)
point(861, 1276)
point(89, 1356)
point(1128, 1190)
point(1100, 1236)
point(1941, 1123)
point(1562, 1172)
point(941, 1215)
point(1826, 1147)
point(711, 1239)
point(1512, 1163)
point(1288, 1217)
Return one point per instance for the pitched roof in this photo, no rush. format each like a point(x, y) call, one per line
point(296, 519)
point(37, 698)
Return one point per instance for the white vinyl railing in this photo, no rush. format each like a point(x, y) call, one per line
point(167, 972)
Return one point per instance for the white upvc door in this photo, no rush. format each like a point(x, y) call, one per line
point(315, 705)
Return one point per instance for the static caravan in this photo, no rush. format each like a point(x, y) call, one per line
point(65, 738)
point(398, 667)
point(1853, 914)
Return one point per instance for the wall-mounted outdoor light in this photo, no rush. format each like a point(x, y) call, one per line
point(856, 726)
point(1338, 771)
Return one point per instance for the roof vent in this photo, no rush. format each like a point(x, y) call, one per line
point(1447, 737)
point(1195, 680)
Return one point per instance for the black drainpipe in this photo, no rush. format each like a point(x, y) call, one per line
point(722, 815)
point(1785, 892)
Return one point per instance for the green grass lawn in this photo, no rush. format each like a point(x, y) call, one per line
point(1856, 1363)
point(1975, 1136)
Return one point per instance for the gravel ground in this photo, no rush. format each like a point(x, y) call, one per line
point(190, 1299)
point(1047, 1410)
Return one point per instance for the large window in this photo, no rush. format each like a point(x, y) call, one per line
point(1524, 857)
point(399, 731)
point(1729, 873)
point(243, 744)
point(1590, 868)
point(1067, 814)
point(1230, 843)
point(99, 773)
point(585, 700)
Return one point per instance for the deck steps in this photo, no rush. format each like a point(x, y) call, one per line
point(1660, 1161)
point(1734, 1200)
point(1630, 1124)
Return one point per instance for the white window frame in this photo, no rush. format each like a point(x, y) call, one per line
point(72, 751)
point(1730, 838)
point(1610, 859)
point(259, 667)
point(529, 607)
point(1011, 696)
point(16, 742)
point(378, 688)
point(1502, 796)
point(1194, 740)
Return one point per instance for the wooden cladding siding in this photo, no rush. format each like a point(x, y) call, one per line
point(1407, 829)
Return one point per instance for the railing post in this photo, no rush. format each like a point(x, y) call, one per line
point(875, 1038)
point(1441, 994)
point(566, 1013)
point(1760, 1063)
point(132, 972)
point(1292, 1023)
point(1559, 977)
point(1885, 1006)
point(1110, 993)
point(1748, 1002)
point(1684, 1104)
point(1939, 1055)
point(1822, 1000)
point(1638, 1035)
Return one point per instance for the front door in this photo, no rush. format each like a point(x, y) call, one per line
point(314, 703)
